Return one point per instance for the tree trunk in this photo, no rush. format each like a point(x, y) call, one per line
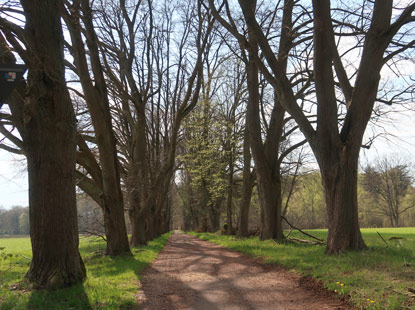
point(149, 227)
point(270, 191)
point(246, 189)
point(215, 216)
point(167, 215)
point(138, 231)
point(396, 220)
point(339, 176)
point(96, 96)
point(51, 145)
point(265, 156)
point(229, 200)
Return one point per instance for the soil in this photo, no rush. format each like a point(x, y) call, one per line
point(194, 274)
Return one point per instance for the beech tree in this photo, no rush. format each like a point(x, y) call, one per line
point(336, 139)
point(48, 129)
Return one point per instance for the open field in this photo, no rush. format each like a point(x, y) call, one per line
point(112, 283)
point(378, 278)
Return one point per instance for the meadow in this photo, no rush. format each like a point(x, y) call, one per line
point(378, 278)
point(112, 282)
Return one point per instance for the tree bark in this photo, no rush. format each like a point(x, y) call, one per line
point(96, 96)
point(138, 233)
point(229, 198)
point(339, 176)
point(243, 228)
point(51, 144)
point(265, 156)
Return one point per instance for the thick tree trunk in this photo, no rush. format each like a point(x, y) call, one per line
point(166, 215)
point(270, 191)
point(138, 231)
point(96, 96)
point(51, 145)
point(266, 165)
point(149, 227)
point(114, 221)
point(339, 176)
point(243, 228)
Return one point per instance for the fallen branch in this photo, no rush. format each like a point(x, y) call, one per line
point(305, 241)
point(383, 239)
point(25, 257)
point(301, 231)
point(289, 233)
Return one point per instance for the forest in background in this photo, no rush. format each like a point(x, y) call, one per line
point(303, 205)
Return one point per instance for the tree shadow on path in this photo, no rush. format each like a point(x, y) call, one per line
point(194, 274)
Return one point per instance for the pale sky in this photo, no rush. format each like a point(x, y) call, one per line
point(13, 180)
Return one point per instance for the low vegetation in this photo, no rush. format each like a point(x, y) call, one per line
point(112, 282)
point(382, 277)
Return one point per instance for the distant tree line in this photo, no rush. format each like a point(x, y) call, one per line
point(14, 221)
point(386, 195)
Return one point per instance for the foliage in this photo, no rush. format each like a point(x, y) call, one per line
point(388, 181)
point(112, 282)
point(307, 208)
point(205, 157)
point(381, 274)
point(14, 221)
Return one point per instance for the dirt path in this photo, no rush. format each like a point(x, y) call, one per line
point(193, 274)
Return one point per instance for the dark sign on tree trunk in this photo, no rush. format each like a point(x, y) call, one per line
point(10, 75)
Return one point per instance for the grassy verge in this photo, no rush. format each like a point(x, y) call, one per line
point(112, 282)
point(378, 278)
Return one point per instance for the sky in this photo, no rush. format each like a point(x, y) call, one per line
point(13, 180)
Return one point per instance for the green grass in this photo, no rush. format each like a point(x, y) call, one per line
point(381, 274)
point(112, 282)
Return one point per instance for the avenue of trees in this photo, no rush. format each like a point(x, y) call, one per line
point(203, 111)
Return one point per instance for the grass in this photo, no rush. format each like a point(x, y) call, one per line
point(378, 278)
point(112, 282)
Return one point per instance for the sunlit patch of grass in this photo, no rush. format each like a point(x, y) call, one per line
point(378, 278)
point(112, 282)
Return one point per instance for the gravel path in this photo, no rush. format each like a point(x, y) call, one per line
point(193, 274)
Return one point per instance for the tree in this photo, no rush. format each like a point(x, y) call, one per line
point(96, 96)
point(205, 163)
point(159, 83)
point(388, 181)
point(266, 143)
point(248, 178)
point(49, 137)
point(336, 140)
